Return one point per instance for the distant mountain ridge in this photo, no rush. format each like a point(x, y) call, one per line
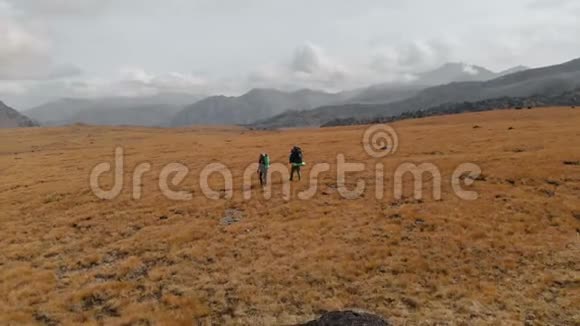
point(568, 98)
point(10, 118)
point(445, 74)
point(252, 106)
point(547, 81)
point(455, 72)
point(512, 70)
point(155, 110)
point(260, 104)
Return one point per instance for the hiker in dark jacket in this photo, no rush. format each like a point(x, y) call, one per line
point(296, 161)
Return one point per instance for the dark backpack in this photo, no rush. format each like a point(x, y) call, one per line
point(296, 156)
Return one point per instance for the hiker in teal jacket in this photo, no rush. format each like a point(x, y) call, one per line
point(263, 166)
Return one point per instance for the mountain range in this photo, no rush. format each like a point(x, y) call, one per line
point(567, 98)
point(10, 118)
point(551, 80)
point(155, 110)
point(259, 104)
point(270, 108)
point(254, 105)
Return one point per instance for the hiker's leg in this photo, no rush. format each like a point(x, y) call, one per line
point(292, 173)
point(295, 169)
point(266, 176)
point(298, 171)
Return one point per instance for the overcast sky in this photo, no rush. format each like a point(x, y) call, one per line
point(84, 48)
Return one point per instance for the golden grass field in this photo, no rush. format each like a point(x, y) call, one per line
point(511, 257)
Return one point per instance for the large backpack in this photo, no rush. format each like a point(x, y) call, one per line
point(297, 156)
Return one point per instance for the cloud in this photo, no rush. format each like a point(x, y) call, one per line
point(312, 59)
point(469, 69)
point(23, 54)
point(537, 40)
point(64, 71)
point(411, 57)
point(551, 4)
point(353, 45)
point(12, 88)
point(60, 7)
point(26, 53)
point(135, 81)
point(138, 80)
point(310, 66)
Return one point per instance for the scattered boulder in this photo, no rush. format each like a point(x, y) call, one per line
point(548, 193)
point(232, 216)
point(410, 302)
point(481, 177)
point(419, 221)
point(348, 318)
point(44, 319)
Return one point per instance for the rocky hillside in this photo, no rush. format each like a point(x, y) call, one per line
point(570, 98)
point(10, 118)
point(252, 106)
point(447, 73)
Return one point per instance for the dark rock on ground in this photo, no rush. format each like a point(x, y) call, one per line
point(553, 182)
point(571, 162)
point(348, 318)
point(232, 216)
